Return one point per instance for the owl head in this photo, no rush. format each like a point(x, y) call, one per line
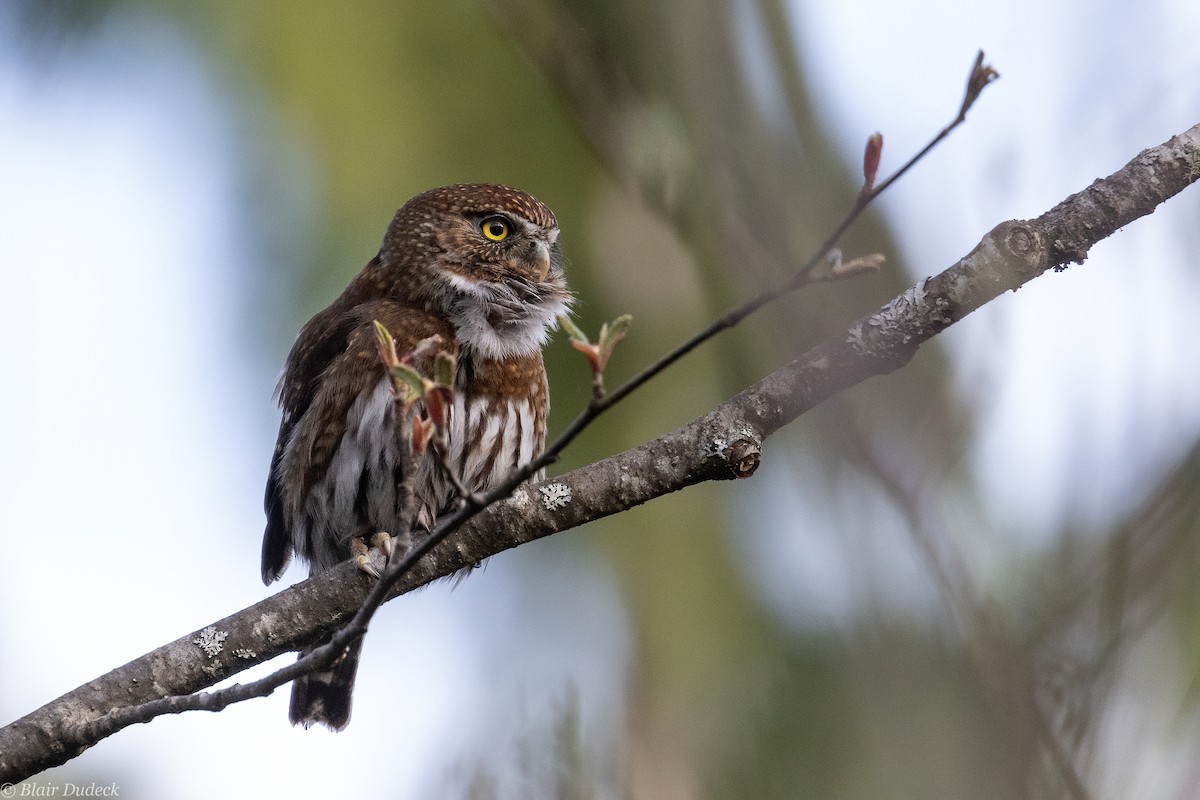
point(486, 257)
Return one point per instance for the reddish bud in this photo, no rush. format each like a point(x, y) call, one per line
point(438, 400)
point(981, 75)
point(422, 432)
point(871, 159)
point(591, 351)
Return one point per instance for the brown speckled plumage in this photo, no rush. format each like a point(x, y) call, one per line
point(335, 468)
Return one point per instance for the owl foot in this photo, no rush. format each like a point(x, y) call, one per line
point(374, 559)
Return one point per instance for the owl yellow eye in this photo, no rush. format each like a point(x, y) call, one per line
point(494, 229)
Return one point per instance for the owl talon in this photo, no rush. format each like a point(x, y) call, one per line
point(372, 560)
point(386, 544)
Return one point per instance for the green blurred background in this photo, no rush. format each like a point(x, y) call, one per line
point(868, 617)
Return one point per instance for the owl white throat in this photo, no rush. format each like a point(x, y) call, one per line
point(503, 319)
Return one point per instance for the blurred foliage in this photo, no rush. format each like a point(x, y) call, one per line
point(688, 164)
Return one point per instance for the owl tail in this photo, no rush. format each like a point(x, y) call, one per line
point(324, 697)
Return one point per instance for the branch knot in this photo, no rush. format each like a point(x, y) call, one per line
point(740, 455)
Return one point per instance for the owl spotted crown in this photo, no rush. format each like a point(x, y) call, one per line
point(467, 198)
point(501, 285)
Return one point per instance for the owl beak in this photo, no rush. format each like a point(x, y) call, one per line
point(541, 261)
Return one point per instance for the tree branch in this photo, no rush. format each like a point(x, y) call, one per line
point(723, 444)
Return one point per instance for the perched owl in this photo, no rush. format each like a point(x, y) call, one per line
point(478, 265)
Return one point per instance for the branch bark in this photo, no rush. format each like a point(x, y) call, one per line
point(723, 444)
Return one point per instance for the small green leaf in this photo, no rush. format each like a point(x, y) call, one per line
point(443, 368)
point(572, 330)
point(387, 345)
point(615, 331)
point(409, 378)
point(611, 334)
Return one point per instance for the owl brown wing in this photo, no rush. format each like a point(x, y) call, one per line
point(333, 361)
point(321, 340)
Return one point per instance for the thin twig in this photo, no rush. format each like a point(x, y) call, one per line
point(809, 272)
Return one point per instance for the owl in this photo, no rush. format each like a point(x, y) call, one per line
point(479, 266)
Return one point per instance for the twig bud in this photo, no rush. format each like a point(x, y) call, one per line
point(422, 432)
point(611, 334)
point(867, 263)
point(386, 344)
point(438, 400)
point(981, 75)
point(871, 159)
point(591, 351)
